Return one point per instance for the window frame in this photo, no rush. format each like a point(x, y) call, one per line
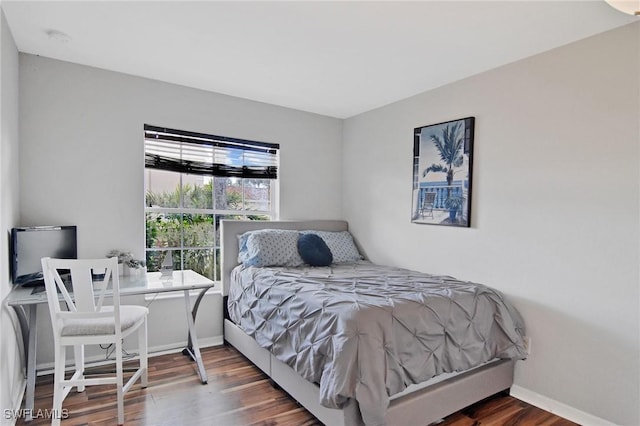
point(216, 213)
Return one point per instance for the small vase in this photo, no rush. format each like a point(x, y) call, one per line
point(138, 272)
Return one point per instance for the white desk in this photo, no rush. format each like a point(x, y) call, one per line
point(25, 302)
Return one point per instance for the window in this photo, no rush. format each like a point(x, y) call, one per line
point(192, 181)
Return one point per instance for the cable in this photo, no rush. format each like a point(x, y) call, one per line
point(125, 354)
point(152, 300)
point(110, 349)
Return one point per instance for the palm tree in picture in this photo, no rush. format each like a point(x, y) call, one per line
point(449, 146)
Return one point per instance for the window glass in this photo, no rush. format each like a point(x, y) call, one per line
point(162, 188)
point(190, 187)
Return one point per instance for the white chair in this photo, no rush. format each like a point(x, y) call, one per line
point(87, 321)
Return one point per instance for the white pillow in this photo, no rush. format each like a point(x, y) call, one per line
point(341, 244)
point(269, 247)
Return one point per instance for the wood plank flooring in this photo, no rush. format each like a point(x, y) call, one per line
point(238, 393)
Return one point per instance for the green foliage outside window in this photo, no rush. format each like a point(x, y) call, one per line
point(189, 238)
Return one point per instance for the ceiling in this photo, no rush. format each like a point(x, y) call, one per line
point(332, 58)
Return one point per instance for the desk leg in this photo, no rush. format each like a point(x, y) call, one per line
point(24, 328)
point(194, 312)
point(29, 333)
point(193, 350)
point(30, 352)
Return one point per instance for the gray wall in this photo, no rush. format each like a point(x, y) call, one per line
point(554, 216)
point(11, 360)
point(82, 163)
point(556, 193)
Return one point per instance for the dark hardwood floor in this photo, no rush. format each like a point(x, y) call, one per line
point(238, 393)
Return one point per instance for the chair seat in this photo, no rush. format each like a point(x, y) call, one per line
point(129, 316)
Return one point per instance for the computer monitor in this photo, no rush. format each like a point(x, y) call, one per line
point(30, 244)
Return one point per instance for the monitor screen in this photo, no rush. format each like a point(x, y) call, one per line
point(30, 244)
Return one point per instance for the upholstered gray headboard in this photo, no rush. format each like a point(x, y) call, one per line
point(230, 229)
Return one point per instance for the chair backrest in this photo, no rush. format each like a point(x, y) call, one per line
point(429, 198)
point(89, 279)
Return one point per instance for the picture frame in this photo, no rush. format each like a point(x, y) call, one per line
point(442, 173)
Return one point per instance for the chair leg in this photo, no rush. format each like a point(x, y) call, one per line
point(78, 351)
point(58, 385)
point(143, 349)
point(119, 382)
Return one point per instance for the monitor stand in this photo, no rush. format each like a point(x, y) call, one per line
point(34, 283)
point(36, 289)
point(38, 285)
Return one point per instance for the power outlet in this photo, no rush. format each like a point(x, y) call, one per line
point(527, 344)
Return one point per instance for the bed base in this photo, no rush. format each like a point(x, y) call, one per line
point(421, 407)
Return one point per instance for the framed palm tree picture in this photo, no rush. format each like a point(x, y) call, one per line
point(442, 166)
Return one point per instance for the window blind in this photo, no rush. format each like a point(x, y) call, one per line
point(202, 154)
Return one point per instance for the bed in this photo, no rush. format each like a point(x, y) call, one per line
point(356, 368)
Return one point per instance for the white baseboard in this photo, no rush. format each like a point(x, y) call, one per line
point(98, 360)
point(177, 347)
point(557, 408)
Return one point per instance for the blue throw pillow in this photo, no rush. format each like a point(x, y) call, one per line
point(314, 251)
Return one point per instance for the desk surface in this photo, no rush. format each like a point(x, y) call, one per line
point(144, 283)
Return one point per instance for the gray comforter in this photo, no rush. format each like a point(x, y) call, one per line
point(365, 331)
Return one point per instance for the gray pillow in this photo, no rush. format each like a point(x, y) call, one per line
point(269, 247)
point(341, 244)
